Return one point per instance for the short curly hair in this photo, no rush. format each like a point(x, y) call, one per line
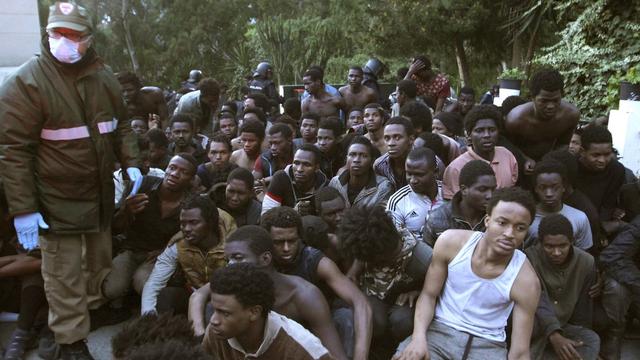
point(220, 138)
point(152, 328)
point(280, 128)
point(453, 121)
point(404, 122)
point(127, 77)
point(261, 101)
point(481, 112)
point(208, 210)
point(511, 102)
point(368, 234)
point(595, 135)
point(546, 79)
point(555, 224)
point(157, 137)
point(248, 284)
point(253, 127)
point(242, 174)
point(258, 238)
point(292, 108)
point(378, 107)
point(258, 112)
point(516, 195)
point(567, 159)
point(282, 217)
point(331, 124)
point(407, 87)
point(315, 232)
point(325, 194)
point(168, 350)
point(362, 140)
point(419, 114)
point(550, 166)
point(182, 118)
point(472, 171)
point(209, 87)
point(434, 142)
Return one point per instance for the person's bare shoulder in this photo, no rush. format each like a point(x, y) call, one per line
point(570, 112)
point(517, 117)
point(305, 294)
point(344, 90)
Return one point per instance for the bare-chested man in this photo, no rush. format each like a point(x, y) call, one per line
point(319, 101)
point(474, 283)
point(295, 298)
point(147, 102)
point(544, 124)
point(251, 137)
point(374, 123)
point(354, 93)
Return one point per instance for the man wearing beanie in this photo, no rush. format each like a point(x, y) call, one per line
point(63, 125)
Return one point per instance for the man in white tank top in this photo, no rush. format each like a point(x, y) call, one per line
point(474, 282)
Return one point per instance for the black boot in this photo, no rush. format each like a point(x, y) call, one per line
point(47, 347)
point(21, 341)
point(76, 351)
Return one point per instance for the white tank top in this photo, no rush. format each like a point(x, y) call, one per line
point(475, 305)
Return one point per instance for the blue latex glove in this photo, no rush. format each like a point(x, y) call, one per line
point(136, 178)
point(27, 228)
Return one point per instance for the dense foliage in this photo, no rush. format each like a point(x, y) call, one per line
point(592, 42)
point(597, 48)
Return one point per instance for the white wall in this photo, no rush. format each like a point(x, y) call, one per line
point(19, 33)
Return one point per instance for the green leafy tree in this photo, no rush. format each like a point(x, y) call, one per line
point(595, 49)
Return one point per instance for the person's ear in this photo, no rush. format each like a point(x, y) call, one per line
point(255, 312)
point(464, 190)
point(266, 258)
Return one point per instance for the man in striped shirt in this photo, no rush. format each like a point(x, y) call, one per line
point(411, 205)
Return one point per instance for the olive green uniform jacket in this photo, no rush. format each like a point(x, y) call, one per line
point(62, 128)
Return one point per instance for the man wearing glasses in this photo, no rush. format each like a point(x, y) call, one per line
point(63, 125)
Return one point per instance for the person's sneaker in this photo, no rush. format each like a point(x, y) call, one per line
point(106, 315)
point(47, 347)
point(20, 342)
point(76, 351)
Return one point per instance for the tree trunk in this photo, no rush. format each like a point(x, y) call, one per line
point(461, 59)
point(516, 52)
point(127, 36)
point(531, 46)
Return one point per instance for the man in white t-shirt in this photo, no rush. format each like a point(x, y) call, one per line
point(549, 179)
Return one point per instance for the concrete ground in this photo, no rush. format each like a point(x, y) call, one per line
point(100, 342)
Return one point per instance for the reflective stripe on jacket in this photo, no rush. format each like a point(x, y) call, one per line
point(62, 127)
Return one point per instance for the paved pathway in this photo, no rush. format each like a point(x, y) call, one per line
point(100, 342)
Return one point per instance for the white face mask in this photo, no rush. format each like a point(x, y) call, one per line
point(65, 50)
